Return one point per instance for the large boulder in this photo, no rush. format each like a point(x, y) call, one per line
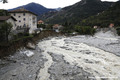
point(31, 46)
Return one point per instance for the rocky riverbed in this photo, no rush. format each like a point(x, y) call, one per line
point(66, 58)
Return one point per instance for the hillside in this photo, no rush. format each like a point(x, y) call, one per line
point(77, 12)
point(112, 15)
point(35, 8)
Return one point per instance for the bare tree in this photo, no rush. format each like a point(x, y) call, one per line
point(4, 1)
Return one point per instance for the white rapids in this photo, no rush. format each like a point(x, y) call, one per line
point(44, 75)
point(96, 61)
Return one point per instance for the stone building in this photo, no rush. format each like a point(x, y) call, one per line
point(25, 20)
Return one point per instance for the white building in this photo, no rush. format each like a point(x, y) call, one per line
point(8, 19)
point(25, 20)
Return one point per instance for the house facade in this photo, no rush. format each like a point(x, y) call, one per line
point(8, 19)
point(57, 27)
point(25, 20)
point(40, 22)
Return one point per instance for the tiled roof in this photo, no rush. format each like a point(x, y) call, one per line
point(56, 25)
point(21, 10)
point(3, 18)
point(40, 21)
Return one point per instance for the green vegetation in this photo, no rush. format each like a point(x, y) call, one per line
point(77, 12)
point(85, 30)
point(41, 26)
point(118, 30)
point(68, 28)
point(3, 12)
point(49, 27)
point(17, 38)
point(5, 29)
point(112, 15)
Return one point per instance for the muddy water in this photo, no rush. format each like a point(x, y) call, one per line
point(102, 64)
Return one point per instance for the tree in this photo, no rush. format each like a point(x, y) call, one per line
point(68, 27)
point(5, 29)
point(49, 26)
point(84, 30)
point(41, 26)
point(4, 1)
point(4, 12)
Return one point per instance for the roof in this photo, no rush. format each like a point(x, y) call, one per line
point(4, 18)
point(56, 25)
point(40, 21)
point(21, 10)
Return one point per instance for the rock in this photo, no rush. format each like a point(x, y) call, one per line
point(28, 53)
point(13, 75)
point(31, 46)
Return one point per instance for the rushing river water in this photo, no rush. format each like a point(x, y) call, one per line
point(98, 62)
point(66, 58)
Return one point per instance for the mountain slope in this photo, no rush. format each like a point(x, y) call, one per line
point(78, 11)
point(35, 8)
point(112, 15)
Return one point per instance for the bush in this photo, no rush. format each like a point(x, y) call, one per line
point(49, 27)
point(41, 26)
point(85, 30)
point(20, 34)
point(26, 34)
point(118, 31)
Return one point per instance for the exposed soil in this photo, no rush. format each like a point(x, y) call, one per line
point(11, 48)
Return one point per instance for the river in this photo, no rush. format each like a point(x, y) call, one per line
point(74, 58)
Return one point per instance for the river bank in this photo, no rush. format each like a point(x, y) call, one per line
point(11, 48)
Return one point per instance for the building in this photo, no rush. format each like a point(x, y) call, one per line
point(95, 27)
point(111, 25)
point(57, 27)
point(40, 22)
point(25, 20)
point(8, 19)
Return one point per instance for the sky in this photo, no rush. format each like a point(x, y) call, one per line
point(46, 3)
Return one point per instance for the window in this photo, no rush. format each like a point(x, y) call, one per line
point(24, 19)
point(17, 27)
point(20, 27)
point(24, 25)
point(19, 20)
point(19, 16)
point(14, 14)
point(23, 14)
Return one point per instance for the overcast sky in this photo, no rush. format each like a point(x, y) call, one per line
point(45, 3)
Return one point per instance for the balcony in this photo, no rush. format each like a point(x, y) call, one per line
point(22, 29)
